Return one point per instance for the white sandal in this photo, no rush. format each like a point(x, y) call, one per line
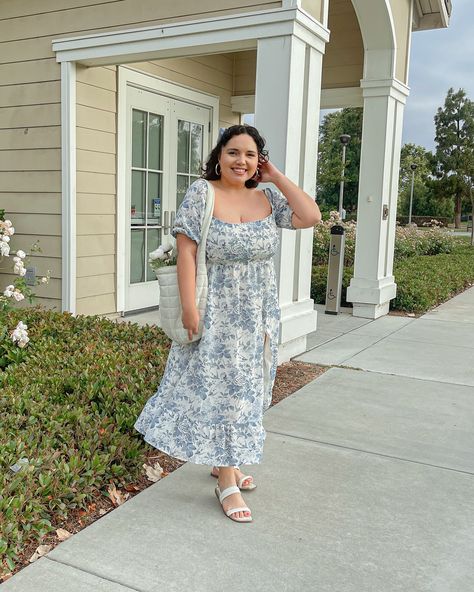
point(240, 483)
point(229, 491)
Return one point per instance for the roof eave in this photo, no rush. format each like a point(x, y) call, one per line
point(438, 19)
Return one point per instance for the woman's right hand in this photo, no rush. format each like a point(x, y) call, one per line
point(190, 319)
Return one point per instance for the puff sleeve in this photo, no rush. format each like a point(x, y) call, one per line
point(281, 209)
point(190, 213)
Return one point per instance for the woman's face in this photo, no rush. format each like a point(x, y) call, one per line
point(239, 159)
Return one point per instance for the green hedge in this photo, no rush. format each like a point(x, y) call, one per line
point(423, 281)
point(69, 408)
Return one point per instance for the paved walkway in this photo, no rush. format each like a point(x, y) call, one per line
point(367, 482)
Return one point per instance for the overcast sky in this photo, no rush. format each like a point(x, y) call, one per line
point(439, 59)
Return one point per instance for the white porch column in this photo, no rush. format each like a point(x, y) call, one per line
point(373, 285)
point(68, 186)
point(288, 89)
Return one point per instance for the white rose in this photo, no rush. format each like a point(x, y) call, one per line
point(156, 254)
point(20, 337)
point(5, 238)
point(8, 292)
point(44, 280)
point(4, 249)
point(19, 270)
point(18, 296)
point(21, 254)
point(7, 223)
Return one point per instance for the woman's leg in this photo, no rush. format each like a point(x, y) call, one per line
point(226, 479)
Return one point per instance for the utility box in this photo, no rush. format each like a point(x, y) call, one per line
point(335, 269)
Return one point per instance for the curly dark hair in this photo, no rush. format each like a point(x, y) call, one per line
point(209, 169)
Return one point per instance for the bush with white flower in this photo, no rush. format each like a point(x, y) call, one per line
point(12, 339)
point(410, 241)
point(164, 255)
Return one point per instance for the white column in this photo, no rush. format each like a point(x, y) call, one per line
point(288, 89)
point(68, 182)
point(373, 285)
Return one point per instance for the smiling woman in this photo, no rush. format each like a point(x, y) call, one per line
point(209, 406)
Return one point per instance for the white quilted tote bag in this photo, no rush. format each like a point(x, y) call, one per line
point(170, 302)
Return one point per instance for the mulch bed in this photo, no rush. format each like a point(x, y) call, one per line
point(290, 377)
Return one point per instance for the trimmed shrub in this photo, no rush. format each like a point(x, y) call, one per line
point(69, 408)
point(409, 241)
point(423, 281)
point(424, 220)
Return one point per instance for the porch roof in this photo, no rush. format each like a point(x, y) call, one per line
point(213, 35)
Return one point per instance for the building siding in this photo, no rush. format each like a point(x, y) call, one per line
point(343, 62)
point(30, 132)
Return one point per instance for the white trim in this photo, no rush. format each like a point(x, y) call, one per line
point(325, 12)
point(130, 77)
point(68, 185)
point(387, 87)
point(121, 186)
point(331, 98)
point(212, 35)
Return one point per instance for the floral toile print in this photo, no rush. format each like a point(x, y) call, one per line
point(209, 406)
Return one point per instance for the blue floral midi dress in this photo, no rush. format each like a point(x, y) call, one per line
point(209, 406)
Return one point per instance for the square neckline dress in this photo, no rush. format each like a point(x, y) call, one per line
point(209, 406)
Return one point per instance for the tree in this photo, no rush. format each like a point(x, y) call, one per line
point(428, 199)
point(455, 147)
point(413, 154)
point(345, 121)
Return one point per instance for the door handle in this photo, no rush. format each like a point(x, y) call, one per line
point(173, 218)
point(166, 226)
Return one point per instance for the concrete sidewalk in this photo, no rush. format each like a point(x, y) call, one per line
point(366, 485)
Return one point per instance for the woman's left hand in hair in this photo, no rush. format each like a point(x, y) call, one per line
point(268, 171)
point(305, 210)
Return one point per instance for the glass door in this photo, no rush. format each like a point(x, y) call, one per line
point(166, 143)
point(147, 182)
point(146, 191)
point(190, 137)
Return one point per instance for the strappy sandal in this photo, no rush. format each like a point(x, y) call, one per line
point(240, 482)
point(221, 495)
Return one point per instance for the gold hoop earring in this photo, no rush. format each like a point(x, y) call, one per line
point(218, 172)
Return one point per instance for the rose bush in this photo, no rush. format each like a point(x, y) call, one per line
point(12, 341)
point(410, 241)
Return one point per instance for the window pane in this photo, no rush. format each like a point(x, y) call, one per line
point(154, 198)
point(137, 204)
point(182, 185)
point(183, 146)
point(138, 138)
point(137, 254)
point(153, 242)
point(196, 148)
point(155, 139)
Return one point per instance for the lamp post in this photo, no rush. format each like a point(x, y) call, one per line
point(345, 139)
point(413, 167)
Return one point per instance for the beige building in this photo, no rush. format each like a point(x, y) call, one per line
point(108, 107)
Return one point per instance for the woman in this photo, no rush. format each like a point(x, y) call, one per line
point(209, 406)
